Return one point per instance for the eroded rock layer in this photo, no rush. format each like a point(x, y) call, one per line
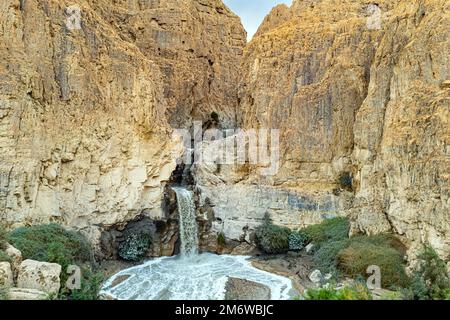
point(362, 88)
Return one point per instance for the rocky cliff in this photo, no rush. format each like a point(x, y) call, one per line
point(360, 92)
point(362, 89)
point(86, 106)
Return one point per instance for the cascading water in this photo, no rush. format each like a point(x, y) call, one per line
point(188, 223)
point(192, 276)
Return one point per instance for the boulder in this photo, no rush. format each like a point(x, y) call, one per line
point(316, 276)
point(6, 275)
point(38, 275)
point(26, 294)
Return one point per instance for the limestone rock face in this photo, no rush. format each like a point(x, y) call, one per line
point(6, 275)
point(85, 108)
point(198, 45)
point(41, 276)
point(359, 88)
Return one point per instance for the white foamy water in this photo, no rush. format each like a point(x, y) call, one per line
point(198, 277)
point(188, 223)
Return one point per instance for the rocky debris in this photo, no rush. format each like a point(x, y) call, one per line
point(245, 249)
point(6, 275)
point(26, 294)
point(317, 277)
point(38, 275)
point(241, 289)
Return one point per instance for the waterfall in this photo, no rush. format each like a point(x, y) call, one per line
point(188, 223)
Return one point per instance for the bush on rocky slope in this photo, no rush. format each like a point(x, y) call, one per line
point(51, 243)
point(335, 252)
point(335, 229)
point(272, 239)
point(430, 280)
point(364, 251)
point(297, 241)
point(135, 246)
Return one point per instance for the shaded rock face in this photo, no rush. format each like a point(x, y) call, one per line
point(85, 113)
point(369, 98)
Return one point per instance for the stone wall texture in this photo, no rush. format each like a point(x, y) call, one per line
point(352, 94)
point(355, 87)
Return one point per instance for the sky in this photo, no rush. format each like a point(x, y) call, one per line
point(253, 12)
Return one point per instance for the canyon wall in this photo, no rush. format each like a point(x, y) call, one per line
point(86, 106)
point(359, 91)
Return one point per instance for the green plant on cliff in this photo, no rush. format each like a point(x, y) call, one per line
point(346, 181)
point(135, 246)
point(221, 240)
point(272, 239)
point(430, 280)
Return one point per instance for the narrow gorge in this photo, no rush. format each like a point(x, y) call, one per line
point(90, 116)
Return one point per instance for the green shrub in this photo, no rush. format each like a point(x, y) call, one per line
point(335, 229)
point(335, 253)
point(3, 238)
point(51, 243)
point(135, 246)
point(355, 292)
point(430, 280)
point(297, 241)
point(325, 258)
point(4, 257)
point(364, 251)
point(272, 239)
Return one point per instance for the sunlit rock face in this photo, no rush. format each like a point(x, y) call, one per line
point(86, 108)
point(86, 114)
point(198, 46)
point(350, 93)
